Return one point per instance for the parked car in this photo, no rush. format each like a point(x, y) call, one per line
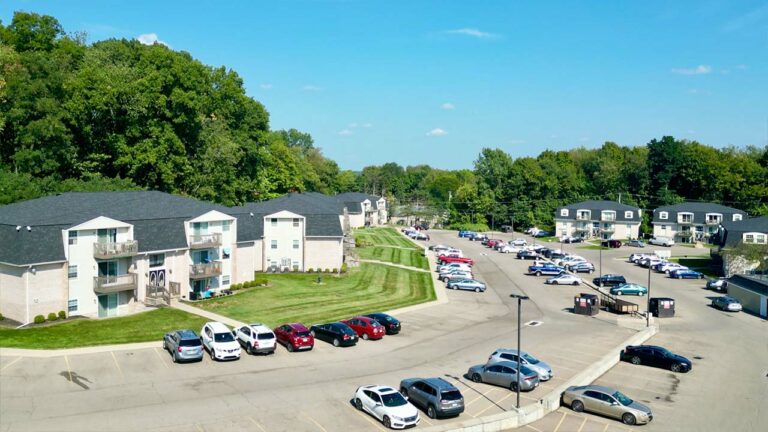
point(479, 238)
point(436, 396)
point(608, 402)
point(386, 405)
point(519, 242)
point(295, 337)
point(661, 241)
point(719, 284)
point(421, 236)
point(571, 239)
point(499, 244)
point(543, 234)
point(727, 303)
point(651, 262)
point(339, 334)
point(652, 355)
point(667, 267)
point(568, 260)
point(509, 248)
point(611, 243)
point(546, 269)
point(557, 255)
point(446, 259)
point(506, 228)
point(219, 341)
point(629, 289)
point(464, 233)
point(256, 339)
point(365, 327)
point(183, 345)
point(582, 267)
point(466, 284)
point(637, 257)
point(439, 247)
point(686, 273)
point(541, 368)
point(635, 243)
point(527, 254)
point(504, 373)
point(457, 266)
point(609, 280)
point(448, 271)
point(564, 279)
point(391, 324)
point(455, 275)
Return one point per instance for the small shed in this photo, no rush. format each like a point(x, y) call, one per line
point(586, 304)
point(751, 292)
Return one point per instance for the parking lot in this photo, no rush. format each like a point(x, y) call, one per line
point(311, 391)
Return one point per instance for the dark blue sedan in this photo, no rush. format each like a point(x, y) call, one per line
point(686, 274)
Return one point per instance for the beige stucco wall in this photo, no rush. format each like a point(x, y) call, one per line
point(247, 259)
point(323, 253)
point(12, 294)
point(749, 300)
point(357, 220)
point(24, 294)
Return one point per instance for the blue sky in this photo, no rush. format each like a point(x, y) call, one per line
point(433, 82)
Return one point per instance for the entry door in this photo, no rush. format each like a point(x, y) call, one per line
point(199, 228)
point(201, 257)
point(107, 235)
point(108, 269)
point(107, 305)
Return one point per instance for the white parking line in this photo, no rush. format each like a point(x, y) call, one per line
point(582, 424)
point(12, 362)
point(479, 397)
point(535, 429)
point(426, 419)
point(365, 416)
point(560, 422)
point(261, 428)
point(316, 423)
point(118, 365)
point(160, 357)
point(69, 369)
point(199, 428)
point(605, 428)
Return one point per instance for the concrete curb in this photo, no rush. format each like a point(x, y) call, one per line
point(45, 353)
point(550, 402)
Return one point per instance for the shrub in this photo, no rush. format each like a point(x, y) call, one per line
point(335, 270)
point(327, 270)
point(310, 270)
point(262, 281)
point(52, 317)
point(39, 319)
point(477, 227)
point(62, 315)
point(344, 267)
point(235, 287)
point(1, 317)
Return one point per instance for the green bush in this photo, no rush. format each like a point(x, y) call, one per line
point(62, 315)
point(327, 270)
point(344, 267)
point(1, 317)
point(310, 270)
point(234, 287)
point(477, 227)
point(262, 281)
point(335, 270)
point(39, 319)
point(52, 317)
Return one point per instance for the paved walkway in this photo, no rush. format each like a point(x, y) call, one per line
point(204, 313)
point(393, 265)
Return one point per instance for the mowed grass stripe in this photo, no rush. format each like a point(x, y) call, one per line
point(297, 297)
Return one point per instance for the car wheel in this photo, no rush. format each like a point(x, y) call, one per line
point(555, 283)
point(628, 419)
point(513, 386)
point(213, 354)
point(165, 346)
point(289, 347)
point(675, 367)
point(619, 293)
point(538, 273)
point(636, 360)
point(477, 290)
point(248, 349)
point(336, 342)
point(577, 406)
point(477, 378)
point(431, 412)
point(575, 284)
point(173, 357)
point(365, 336)
point(358, 404)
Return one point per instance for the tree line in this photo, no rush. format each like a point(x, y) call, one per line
point(117, 115)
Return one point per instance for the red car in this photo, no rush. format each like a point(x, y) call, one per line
point(366, 328)
point(444, 259)
point(295, 337)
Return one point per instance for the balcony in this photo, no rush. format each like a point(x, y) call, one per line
point(685, 221)
point(202, 271)
point(115, 250)
point(205, 241)
point(116, 283)
point(583, 216)
point(611, 217)
point(713, 222)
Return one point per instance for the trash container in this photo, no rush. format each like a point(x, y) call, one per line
point(586, 304)
point(662, 307)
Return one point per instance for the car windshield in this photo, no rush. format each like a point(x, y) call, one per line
point(393, 399)
point(223, 337)
point(450, 395)
point(189, 342)
point(531, 359)
point(622, 398)
point(266, 336)
point(302, 333)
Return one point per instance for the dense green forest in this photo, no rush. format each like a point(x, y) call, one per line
point(117, 115)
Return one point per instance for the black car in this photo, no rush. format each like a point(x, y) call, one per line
point(609, 280)
point(339, 334)
point(543, 234)
point(556, 255)
point(574, 240)
point(611, 243)
point(390, 323)
point(527, 254)
point(545, 251)
point(652, 355)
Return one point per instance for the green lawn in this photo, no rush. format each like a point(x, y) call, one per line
point(699, 264)
point(142, 327)
point(384, 237)
point(297, 297)
point(386, 244)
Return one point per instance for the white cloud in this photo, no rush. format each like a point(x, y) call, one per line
point(741, 67)
point(150, 39)
point(437, 132)
point(366, 125)
point(266, 86)
point(447, 106)
point(311, 88)
point(345, 132)
point(473, 32)
point(698, 70)
point(353, 125)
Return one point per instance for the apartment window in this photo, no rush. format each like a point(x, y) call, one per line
point(663, 215)
point(760, 238)
point(736, 217)
point(72, 271)
point(296, 266)
point(273, 221)
point(755, 238)
point(225, 280)
point(72, 305)
point(295, 244)
point(156, 260)
point(225, 225)
point(564, 212)
point(663, 227)
point(749, 238)
point(628, 214)
point(295, 222)
point(685, 217)
point(73, 237)
point(226, 252)
point(629, 228)
point(274, 244)
point(608, 215)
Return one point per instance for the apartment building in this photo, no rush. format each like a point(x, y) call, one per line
point(693, 222)
point(598, 219)
point(364, 209)
point(731, 234)
point(105, 254)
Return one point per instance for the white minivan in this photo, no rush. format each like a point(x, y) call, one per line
point(219, 341)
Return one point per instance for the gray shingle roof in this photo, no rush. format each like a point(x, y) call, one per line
point(732, 232)
point(358, 196)
point(43, 244)
point(699, 210)
point(756, 285)
point(597, 206)
point(159, 234)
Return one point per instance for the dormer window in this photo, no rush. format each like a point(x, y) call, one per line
point(564, 212)
point(685, 217)
point(755, 238)
point(608, 215)
point(737, 217)
point(628, 214)
point(663, 215)
point(714, 218)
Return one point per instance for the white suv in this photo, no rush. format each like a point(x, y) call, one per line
point(256, 338)
point(662, 241)
point(219, 341)
point(387, 405)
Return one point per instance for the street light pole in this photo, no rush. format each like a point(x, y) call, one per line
point(520, 299)
point(648, 305)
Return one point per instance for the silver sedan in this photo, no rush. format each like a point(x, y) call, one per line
point(608, 402)
point(504, 374)
point(466, 284)
point(564, 279)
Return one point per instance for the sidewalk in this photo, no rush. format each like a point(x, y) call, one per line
point(393, 265)
point(204, 313)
